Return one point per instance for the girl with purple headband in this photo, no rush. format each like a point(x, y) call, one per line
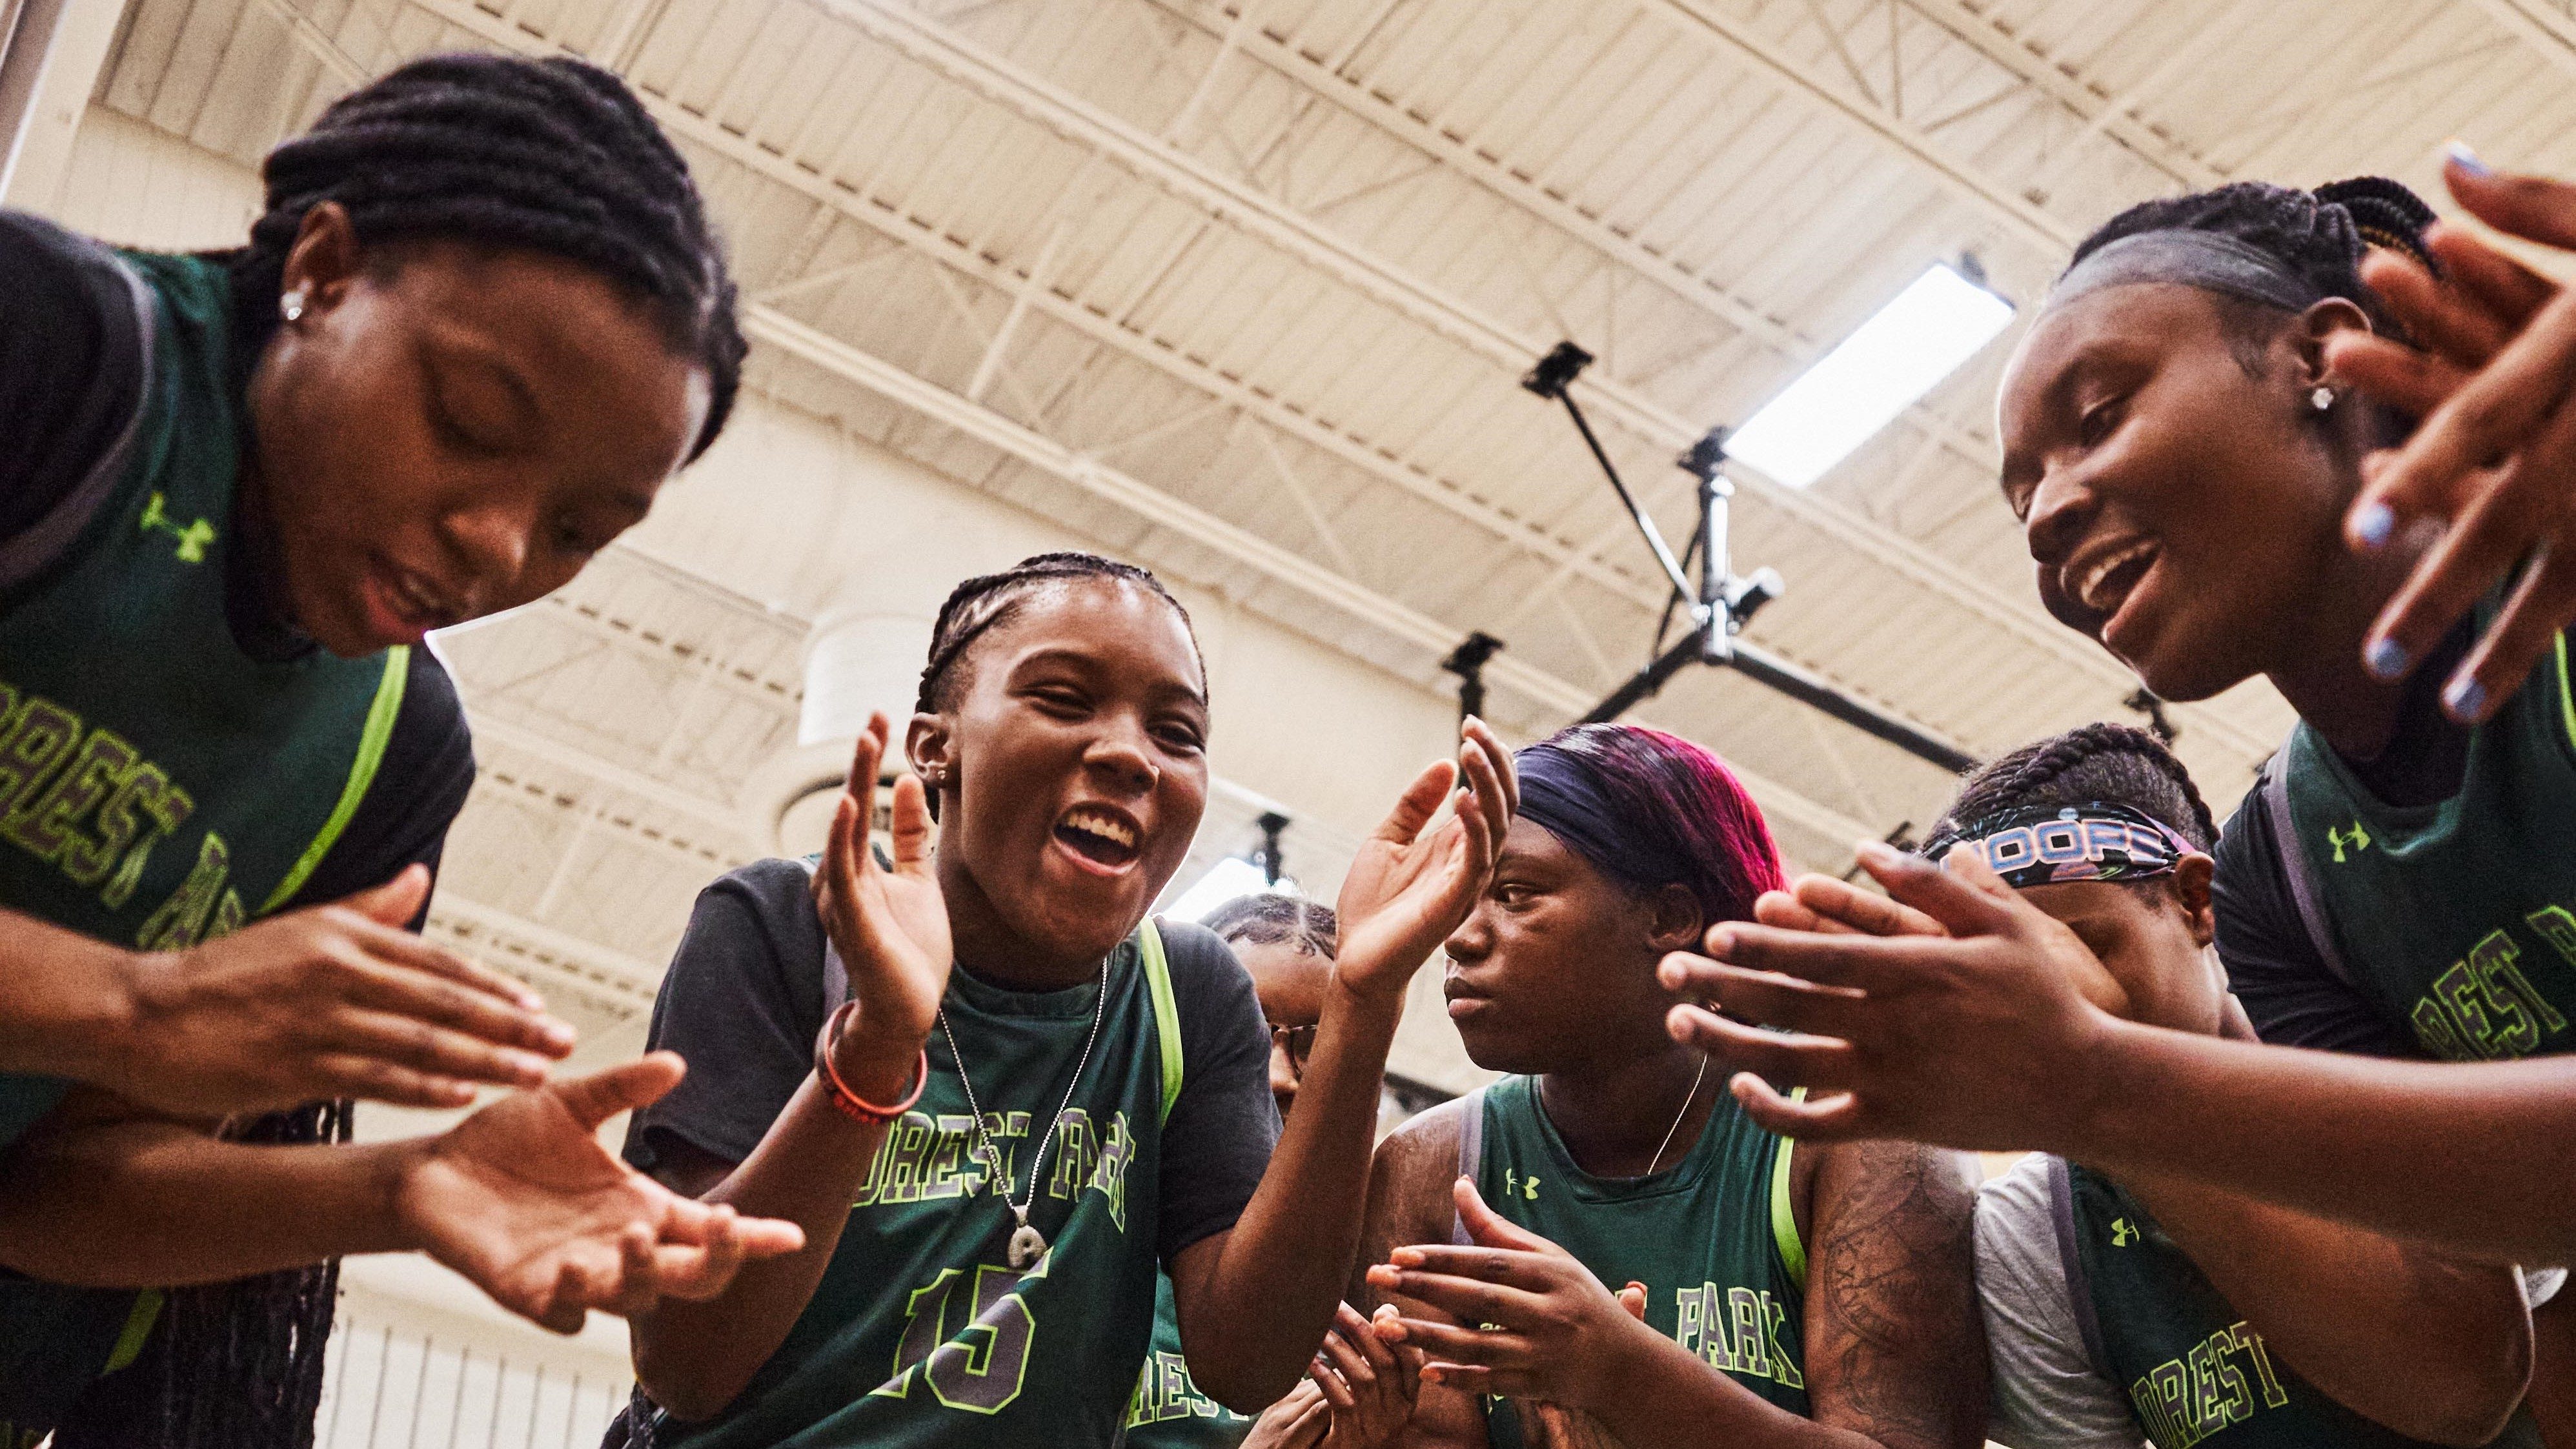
point(1613, 1156)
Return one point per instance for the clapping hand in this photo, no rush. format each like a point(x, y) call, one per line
point(1358, 1393)
point(2494, 459)
point(330, 1001)
point(523, 1201)
point(1976, 1038)
point(889, 926)
point(1553, 1332)
point(1408, 888)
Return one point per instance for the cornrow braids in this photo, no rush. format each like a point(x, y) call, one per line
point(976, 606)
point(2319, 235)
point(2113, 763)
point(1267, 918)
point(553, 156)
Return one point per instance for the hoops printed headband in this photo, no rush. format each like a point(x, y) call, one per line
point(2052, 844)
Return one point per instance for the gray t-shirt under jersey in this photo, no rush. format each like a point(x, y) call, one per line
point(2047, 1393)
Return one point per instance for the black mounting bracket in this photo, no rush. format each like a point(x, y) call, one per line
point(1467, 661)
point(1273, 864)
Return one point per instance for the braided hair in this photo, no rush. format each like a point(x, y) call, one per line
point(2112, 763)
point(1268, 918)
point(553, 156)
point(2321, 236)
point(978, 605)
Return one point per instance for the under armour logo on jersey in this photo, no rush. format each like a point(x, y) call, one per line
point(192, 539)
point(2356, 837)
point(2123, 1232)
point(1513, 1182)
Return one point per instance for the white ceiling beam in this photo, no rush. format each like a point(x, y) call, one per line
point(1274, 562)
point(2016, 213)
point(2546, 31)
point(51, 53)
point(1389, 116)
point(1227, 200)
point(2109, 116)
point(721, 816)
point(1223, 197)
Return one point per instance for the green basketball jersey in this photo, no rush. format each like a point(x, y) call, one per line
point(920, 1333)
point(1712, 1237)
point(1169, 1412)
point(2193, 1371)
point(2454, 918)
point(158, 785)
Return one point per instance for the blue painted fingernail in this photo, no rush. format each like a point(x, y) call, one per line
point(2372, 523)
point(2457, 152)
point(2385, 658)
point(2465, 697)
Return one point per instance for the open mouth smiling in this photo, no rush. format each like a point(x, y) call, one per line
point(1103, 837)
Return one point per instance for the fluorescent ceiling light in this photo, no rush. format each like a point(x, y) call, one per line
point(1228, 878)
point(1902, 352)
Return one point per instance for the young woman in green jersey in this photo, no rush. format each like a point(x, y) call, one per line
point(2185, 444)
point(481, 321)
point(2107, 1295)
point(1793, 1295)
point(991, 1163)
point(1359, 1392)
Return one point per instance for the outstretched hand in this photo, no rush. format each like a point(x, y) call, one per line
point(339, 1000)
point(1976, 1038)
point(1409, 887)
point(1554, 1332)
point(523, 1201)
point(2494, 460)
point(889, 926)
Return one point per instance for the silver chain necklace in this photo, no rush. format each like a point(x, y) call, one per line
point(1027, 1242)
point(1691, 1097)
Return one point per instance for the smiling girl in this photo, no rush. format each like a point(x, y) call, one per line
point(480, 323)
point(991, 1162)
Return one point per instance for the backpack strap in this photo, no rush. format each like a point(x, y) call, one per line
point(2273, 786)
point(2079, 1286)
point(51, 537)
point(1784, 1213)
point(1471, 1156)
point(1167, 1010)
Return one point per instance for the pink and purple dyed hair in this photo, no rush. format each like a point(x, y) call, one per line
point(1650, 809)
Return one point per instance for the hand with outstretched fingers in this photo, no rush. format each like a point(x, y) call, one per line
point(1559, 1335)
point(889, 926)
point(523, 1201)
point(1368, 1383)
point(330, 1001)
point(2492, 373)
point(1980, 1038)
point(1411, 883)
point(1298, 1421)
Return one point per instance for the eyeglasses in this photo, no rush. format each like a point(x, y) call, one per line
point(1299, 1040)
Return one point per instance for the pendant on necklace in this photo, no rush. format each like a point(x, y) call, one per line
point(1026, 1244)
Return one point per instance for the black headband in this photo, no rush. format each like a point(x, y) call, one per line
point(1561, 794)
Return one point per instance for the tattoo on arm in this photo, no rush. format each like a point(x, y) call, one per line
point(1895, 1349)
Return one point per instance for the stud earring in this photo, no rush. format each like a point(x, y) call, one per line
point(2323, 399)
point(290, 305)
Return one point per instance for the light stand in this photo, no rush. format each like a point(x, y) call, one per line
point(1720, 600)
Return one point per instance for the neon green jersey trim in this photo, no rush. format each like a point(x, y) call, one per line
point(362, 773)
point(1784, 1218)
point(1167, 1013)
point(2566, 701)
point(138, 1328)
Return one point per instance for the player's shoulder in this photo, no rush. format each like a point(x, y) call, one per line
point(1419, 1159)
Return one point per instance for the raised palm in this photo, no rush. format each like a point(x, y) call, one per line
point(523, 1201)
point(889, 926)
point(1408, 888)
